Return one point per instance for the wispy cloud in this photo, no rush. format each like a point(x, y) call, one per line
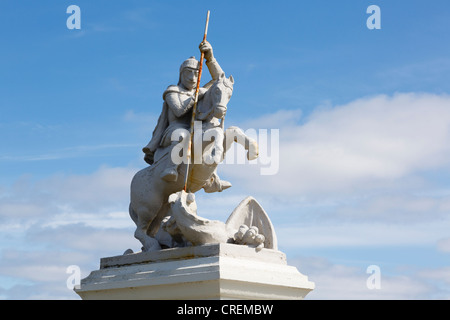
point(428, 71)
point(358, 145)
point(340, 281)
point(69, 152)
point(69, 220)
point(352, 176)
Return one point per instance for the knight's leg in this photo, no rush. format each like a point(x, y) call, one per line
point(170, 173)
point(177, 154)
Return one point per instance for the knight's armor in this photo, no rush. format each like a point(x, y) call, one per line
point(176, 113)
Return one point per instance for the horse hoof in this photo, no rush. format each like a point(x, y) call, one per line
point(209, 160)
point(224, 185)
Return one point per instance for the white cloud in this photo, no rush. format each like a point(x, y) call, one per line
point(345, 234)
point(105, 191)
point(444, 245)
point(285, 118)
point(104, 188)
point(338, 281)
point(66, 153)
point(352, 175)
point(58, 221)
point(36, 268)
point(85, 239)
point(358, 145)
point(441, 275)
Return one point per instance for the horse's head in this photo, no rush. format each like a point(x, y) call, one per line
point(220, 93)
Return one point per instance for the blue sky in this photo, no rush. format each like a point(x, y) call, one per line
point(364, 118)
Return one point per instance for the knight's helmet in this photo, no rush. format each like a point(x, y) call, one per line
point(188, 63)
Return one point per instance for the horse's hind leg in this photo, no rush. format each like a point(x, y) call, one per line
point(156, 223)
point(142, 225)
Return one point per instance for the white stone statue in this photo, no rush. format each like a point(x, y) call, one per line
point(156, 191)
point(184, 255)
point(184, 227)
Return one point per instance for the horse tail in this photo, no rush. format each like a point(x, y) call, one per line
point(134, 217)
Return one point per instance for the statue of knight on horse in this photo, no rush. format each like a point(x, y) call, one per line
point(152, 186)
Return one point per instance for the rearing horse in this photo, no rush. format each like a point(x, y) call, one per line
point(149, 192)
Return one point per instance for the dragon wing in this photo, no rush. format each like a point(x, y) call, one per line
point(251, 213)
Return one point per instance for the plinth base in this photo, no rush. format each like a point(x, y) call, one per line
point(218, 271)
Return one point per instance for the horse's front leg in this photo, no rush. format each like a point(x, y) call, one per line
point(217, 151)
point(235, 134)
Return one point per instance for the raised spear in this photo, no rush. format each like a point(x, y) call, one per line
point(194, 108)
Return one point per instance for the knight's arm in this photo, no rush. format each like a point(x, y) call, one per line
point(179, 103)
point(213, 66)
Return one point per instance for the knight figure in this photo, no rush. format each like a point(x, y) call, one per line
point(177, 112)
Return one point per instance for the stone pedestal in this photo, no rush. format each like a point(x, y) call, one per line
point(218, 271)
